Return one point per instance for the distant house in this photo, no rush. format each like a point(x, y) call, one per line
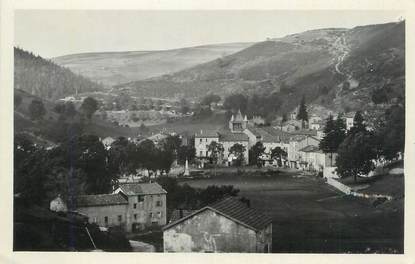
point(228, 138)
point(225, 226)
point(58, 205)
point(157, 138)
point(349, 117)
point(146, 205)
point(108, 141)
point(107, 210)
point(257, 121)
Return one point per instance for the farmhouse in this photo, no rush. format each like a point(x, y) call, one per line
point(225, 226)
point(146, 205)
point(105, 210)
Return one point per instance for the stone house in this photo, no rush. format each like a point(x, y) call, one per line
point(107, 210)
point(146, 205)
point(228, 225)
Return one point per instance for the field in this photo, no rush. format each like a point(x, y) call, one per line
point(310, 216)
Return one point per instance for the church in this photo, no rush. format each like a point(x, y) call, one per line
point(239, 132)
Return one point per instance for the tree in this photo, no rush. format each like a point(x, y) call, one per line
point(334, 134)
point(255, 153)
point(70, 110)
point(147, 151)
point(238, 151)
point(358, 124)
point(210, 98)
point(390, 132)
point(278, 153)
point(122, 157)
point(302, 111)
point(59, 108)
point(356, 154)
point(236, 102)
point(215, 150)
point(36, 110)
point(89, 106)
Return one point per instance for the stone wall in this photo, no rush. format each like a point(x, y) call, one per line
point(340, 186)
point(212, 232)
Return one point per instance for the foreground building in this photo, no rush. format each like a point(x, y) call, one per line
point(133, 207)
point(225, 226)
point(146, 205)
point(107, 210)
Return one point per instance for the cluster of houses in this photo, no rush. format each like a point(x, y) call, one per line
point(300, 140)
point(228, 225)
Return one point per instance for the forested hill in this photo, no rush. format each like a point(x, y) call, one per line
point(46, 79)
point(336, 67)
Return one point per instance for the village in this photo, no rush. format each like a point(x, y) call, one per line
point(138, 203)
point(290, 139)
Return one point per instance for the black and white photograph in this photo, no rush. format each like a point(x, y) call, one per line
point(209, 131)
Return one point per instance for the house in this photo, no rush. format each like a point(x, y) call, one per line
point(58, 205)
point(157, 138)
point(107, 210)
point(228, 225)
point(349, 117)
point(107, 142)
point(146, 204)
point(257, 121)
point(228, 138)
point(292, 125)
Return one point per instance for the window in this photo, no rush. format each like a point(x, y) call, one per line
point(106, 220)
point(158, 203)
point(94, 220)
point(201, 153)
point(207, 153)
point(140, 198)
point(135, 216)
point(151, 215)
point(119, 218)
point(135, 206)
point(159, 214)
point(200, 141)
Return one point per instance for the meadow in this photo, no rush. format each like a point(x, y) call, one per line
point(310, 216)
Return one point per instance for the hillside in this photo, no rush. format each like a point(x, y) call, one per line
point(45, 79)
point(329, 66)
point(112, 68)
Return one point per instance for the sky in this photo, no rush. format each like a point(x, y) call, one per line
point(51, 33)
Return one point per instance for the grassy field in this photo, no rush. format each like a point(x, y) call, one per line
point(310, 216)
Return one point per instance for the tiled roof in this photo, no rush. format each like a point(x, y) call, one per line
point(304, 132)
point(100, 200)
point(310, 148)
point(207, 134)
point(239, 116)
point(235, 210)
point(141, 188)
point(228, 136)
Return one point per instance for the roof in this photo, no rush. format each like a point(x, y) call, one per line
point(304, 132)
point(238, 116)
point(180, 213)
point(235, 210)
point(228, 136)
point(157, 136)
point(310, 148)
point(100, 200)
point(207, 134)
point(134, 188)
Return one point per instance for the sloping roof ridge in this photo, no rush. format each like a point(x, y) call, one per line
point(210, 207)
